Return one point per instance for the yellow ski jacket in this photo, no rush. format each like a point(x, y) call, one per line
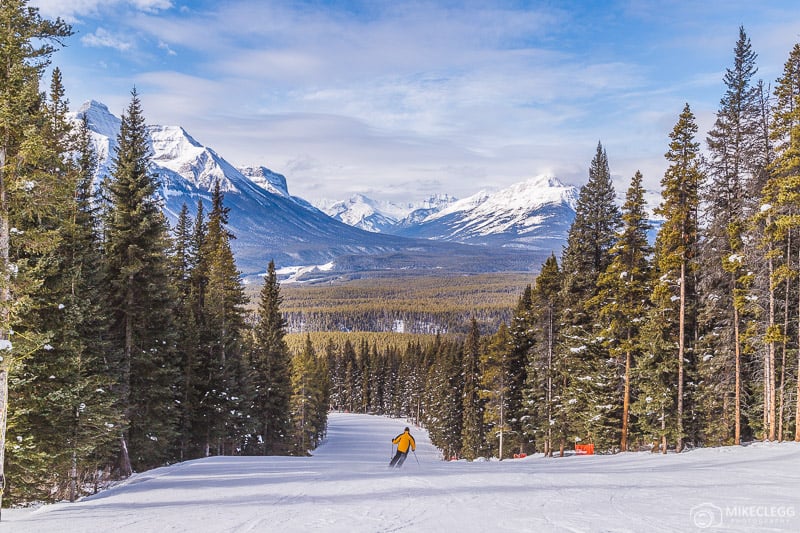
point(403, 441)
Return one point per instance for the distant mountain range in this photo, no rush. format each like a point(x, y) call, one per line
point(515, 228)
point(381, 217)
point(532, 215)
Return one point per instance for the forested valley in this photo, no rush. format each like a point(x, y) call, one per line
point(127, 344)
point(404, 304)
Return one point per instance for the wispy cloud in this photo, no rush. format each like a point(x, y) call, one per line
point(164, 46)
point(152, 6)
point(422, 93)
point(103, 38)
point(73, 10)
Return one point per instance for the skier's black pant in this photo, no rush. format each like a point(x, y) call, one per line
point(399, 458)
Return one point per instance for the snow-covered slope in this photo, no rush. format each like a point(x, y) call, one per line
point(534, 214)
point(267, 180)
point(347, 487)
point(362, 212)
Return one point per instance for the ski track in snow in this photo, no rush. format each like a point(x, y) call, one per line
point(347, 487)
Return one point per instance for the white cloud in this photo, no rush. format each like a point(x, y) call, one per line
point(164, 46)
point(420, 94)
point(103, 38)
point(73, 10)
point(333, 101)
point(152, 6)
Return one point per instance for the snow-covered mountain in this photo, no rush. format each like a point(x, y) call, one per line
point(361, 212)
point(267, 179)
point(533, 214)
point(380, 216)
point(270, 223)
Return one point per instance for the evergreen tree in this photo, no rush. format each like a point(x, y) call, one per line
point(444, 396)
point(410, 385)
point(64, 407)
point(141, 296)
point(472, 431)
point(89, 413)
point(543, 385)
point(309, 398)
point(515, 368)
point(336, 376)
point(184, 258)
point(352, 378)
point(623, 293)
point(365, 368)
point(522, 341)
point(40, 414)
point(496, 383)
point(191, 273)
point(727, 277)
point(378, 378)
point(762, 258)
point(223, 321)
point(676, 254)
point(581, 351)
point(654, 405)
point(27, 42)
point(781, 198)
point(270, 371)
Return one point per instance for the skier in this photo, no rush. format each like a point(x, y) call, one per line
point(403, 441)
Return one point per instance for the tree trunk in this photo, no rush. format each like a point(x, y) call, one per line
point(548, 447)
point(5, 299)
point(626, 399)
point(771, 384)
point(73, 477)
point(3, 425)
point(783, 361)
point(681, 351)
point(126, 377)
point(769, 359)
point(126, 468)
point(797, 397)
point(502, 424)
point(737, 423)
point(785, 338)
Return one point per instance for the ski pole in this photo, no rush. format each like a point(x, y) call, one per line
point(415, 455)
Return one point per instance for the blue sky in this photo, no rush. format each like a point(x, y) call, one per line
point(400, 100)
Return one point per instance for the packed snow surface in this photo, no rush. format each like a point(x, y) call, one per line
point(346, 486)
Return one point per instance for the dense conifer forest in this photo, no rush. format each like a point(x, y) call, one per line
point(413, 304)
point(127, 344)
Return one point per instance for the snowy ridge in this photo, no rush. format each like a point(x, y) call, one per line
point(533, 214)
point(101, 120)
point(104, 128)
point(520, 199)
point(266, 179)
point(176, 150)
point(346, 487)
point(362, 212)
point(380, 216)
